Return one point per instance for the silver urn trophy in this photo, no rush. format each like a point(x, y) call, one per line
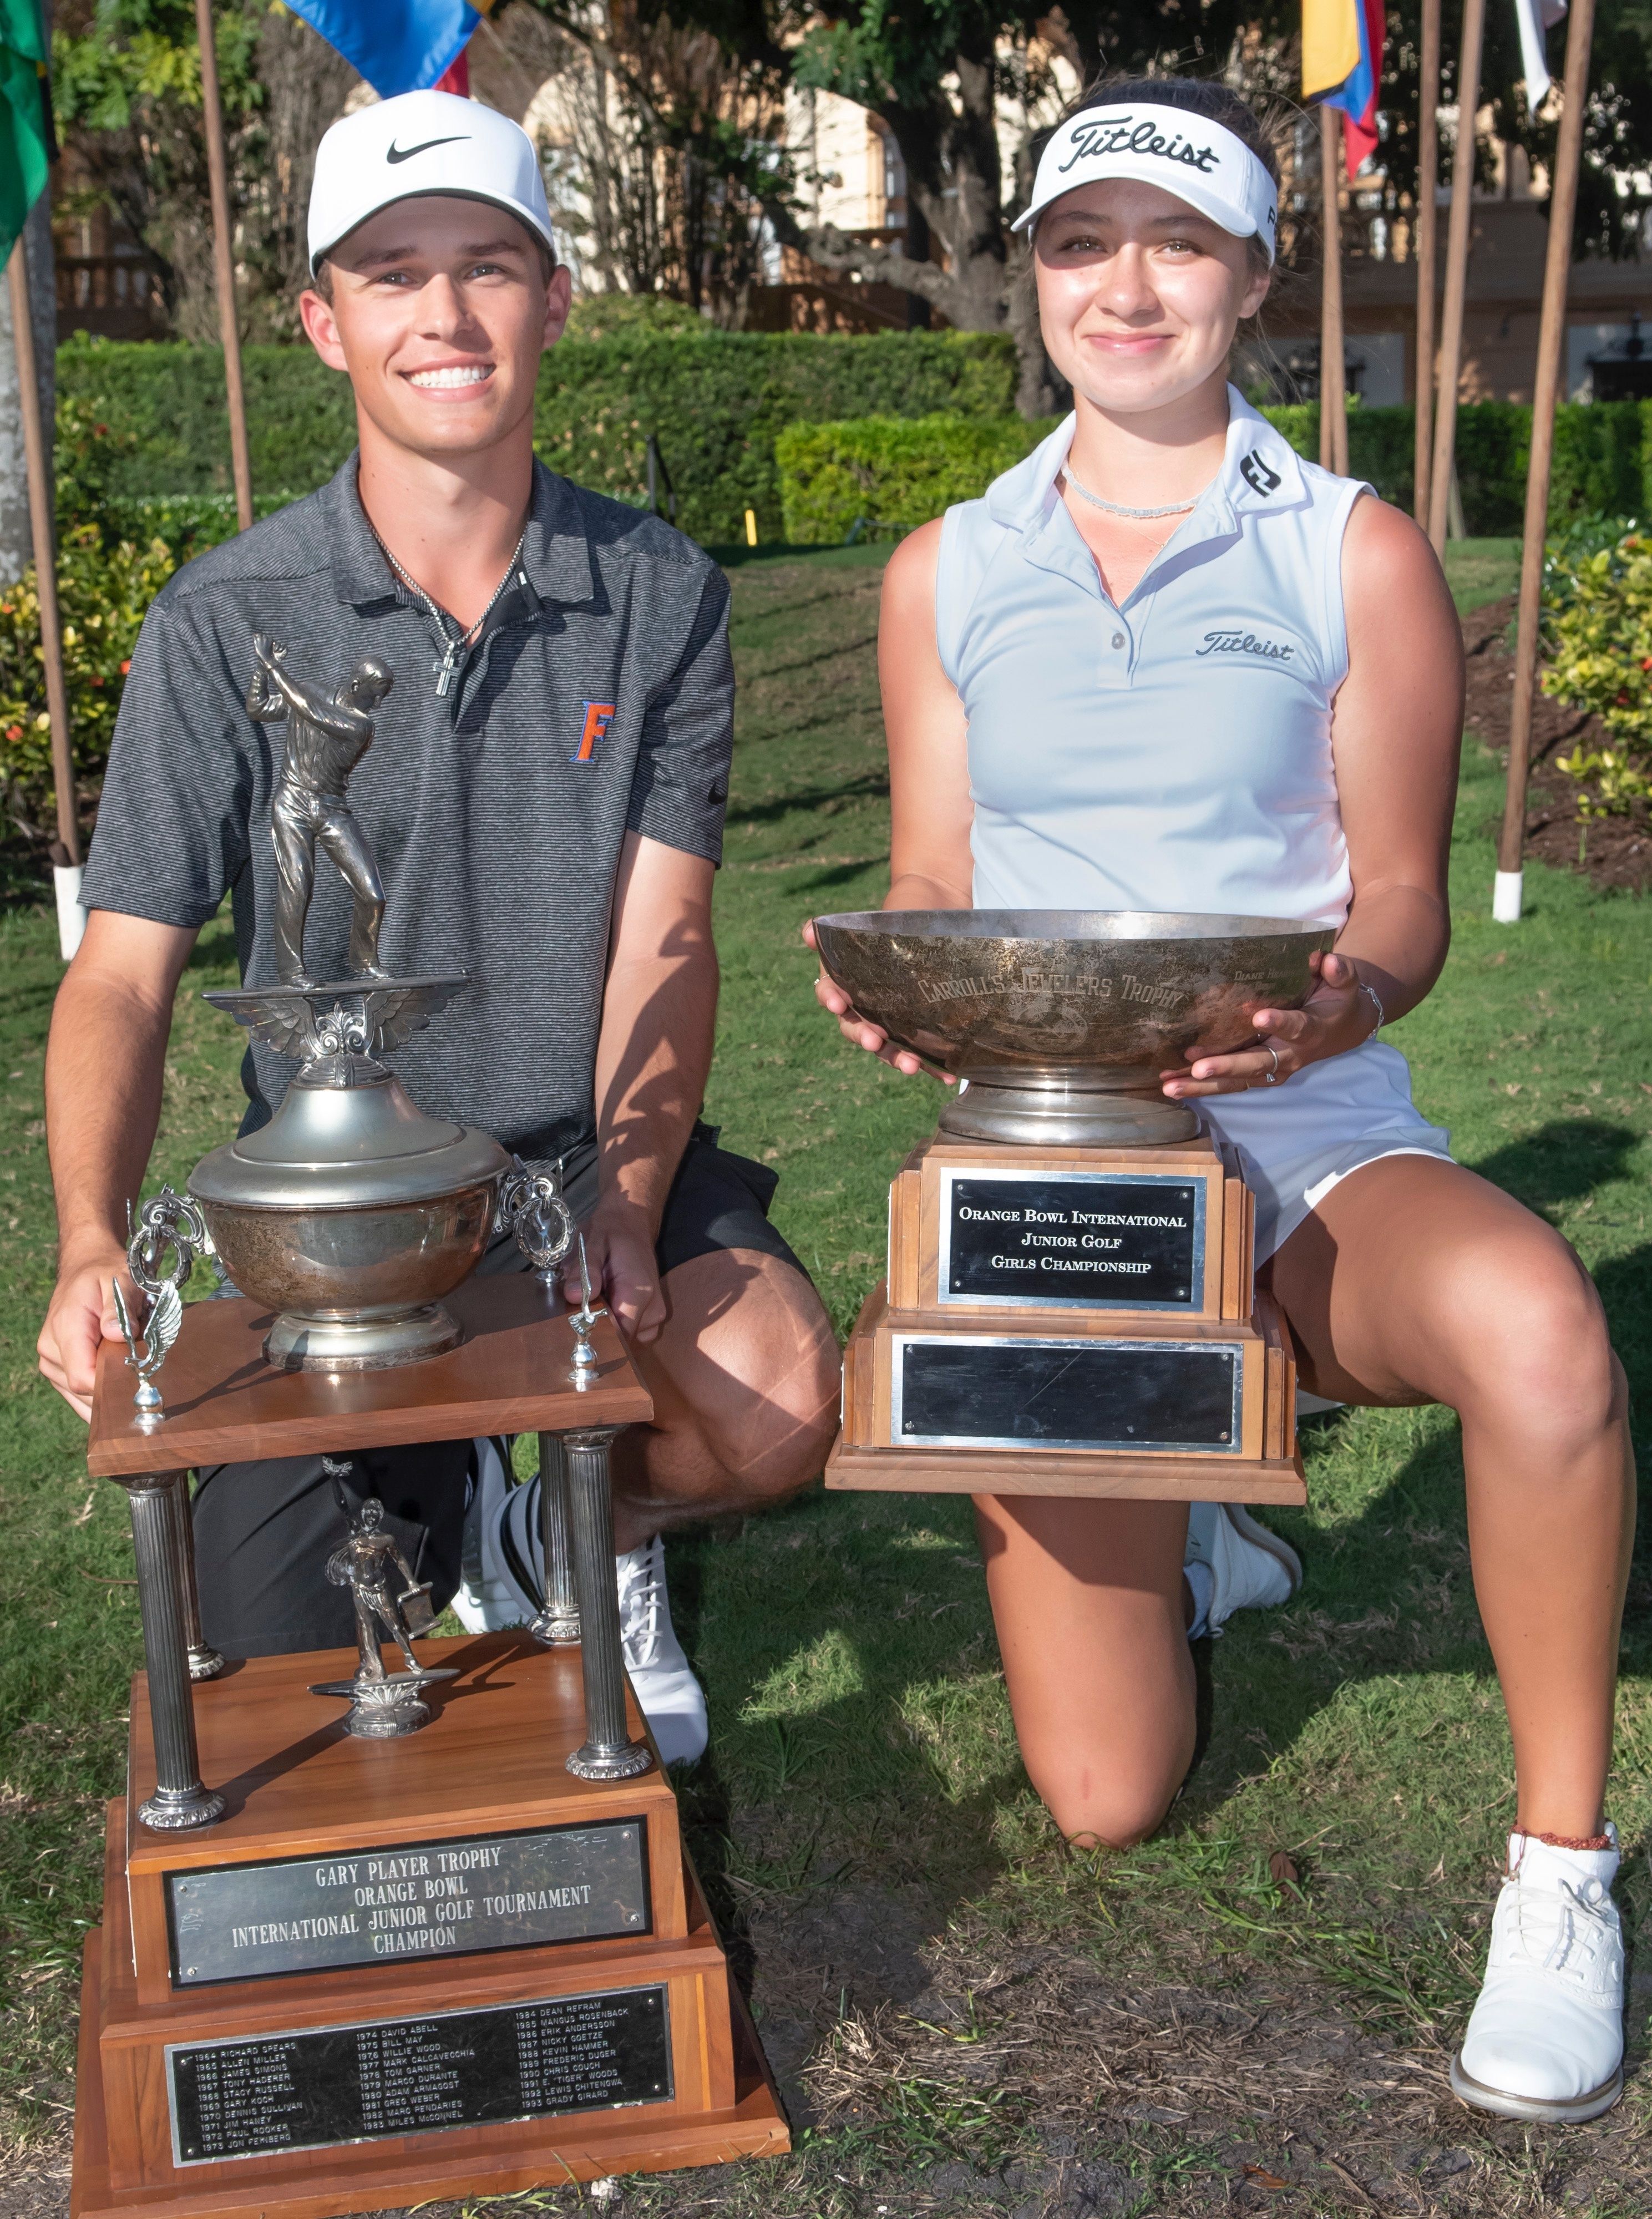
point(351, 1213)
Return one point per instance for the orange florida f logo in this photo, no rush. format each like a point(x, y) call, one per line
point(598, 715)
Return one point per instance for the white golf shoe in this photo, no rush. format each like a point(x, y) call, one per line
point(1546, 2039)
point(671, 1697)
point(1234, 1563)
point(504, 1583)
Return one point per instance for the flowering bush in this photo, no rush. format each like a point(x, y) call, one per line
point(1600, 634)
point(102, 593)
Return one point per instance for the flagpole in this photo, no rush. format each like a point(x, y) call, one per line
point(224, 261)
point(1551, 338)
point(1457, 270)
point(1333, 405)
point(72, 918)
point(1427, 231)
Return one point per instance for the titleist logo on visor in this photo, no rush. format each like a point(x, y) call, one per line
point(1125, 135)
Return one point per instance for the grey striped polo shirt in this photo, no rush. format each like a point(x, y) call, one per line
point(599, 698)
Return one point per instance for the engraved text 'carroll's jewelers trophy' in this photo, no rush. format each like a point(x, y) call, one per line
point(351, 1213)
point(1069, 1307)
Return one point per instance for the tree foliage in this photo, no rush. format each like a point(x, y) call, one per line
point(126, 89)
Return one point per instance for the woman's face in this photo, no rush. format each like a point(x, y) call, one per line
point(1138, 295)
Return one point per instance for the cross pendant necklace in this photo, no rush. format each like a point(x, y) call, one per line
point(453, 649)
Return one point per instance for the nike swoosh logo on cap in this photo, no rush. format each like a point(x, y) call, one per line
point(405, 153)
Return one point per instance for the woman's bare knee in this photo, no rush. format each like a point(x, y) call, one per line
point(1113, 1814)
point(1528, 1343)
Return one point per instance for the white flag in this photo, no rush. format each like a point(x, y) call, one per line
point(1534, 18)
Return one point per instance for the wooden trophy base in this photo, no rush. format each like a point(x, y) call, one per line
point(438, 1967)
point(1070, 1321)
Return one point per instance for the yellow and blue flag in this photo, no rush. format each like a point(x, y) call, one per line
point(1342, 66)
point(398, 46)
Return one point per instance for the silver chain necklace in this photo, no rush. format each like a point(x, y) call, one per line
point(1118, 508)
point(452, 649)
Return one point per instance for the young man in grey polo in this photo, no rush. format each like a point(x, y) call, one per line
point(545, 796)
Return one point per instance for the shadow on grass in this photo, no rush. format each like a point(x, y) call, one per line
point(1561, 1161)
point(863, 785)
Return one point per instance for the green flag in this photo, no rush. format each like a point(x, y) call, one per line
point(25, 116)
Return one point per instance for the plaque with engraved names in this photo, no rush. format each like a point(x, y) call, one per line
point(323, 2086)
point(1076, 1240)
point(989, 1391)
point(416, 1899)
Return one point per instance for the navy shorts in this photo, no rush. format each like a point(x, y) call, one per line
point(263, 1531)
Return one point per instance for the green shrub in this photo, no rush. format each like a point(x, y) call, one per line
point(1380, 443)
point(891, 472)
point(102, 593)
point(715, 403)
point(1601, 631)
point(1603, 463)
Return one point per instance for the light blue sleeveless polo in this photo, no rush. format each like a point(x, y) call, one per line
point(1175, 753)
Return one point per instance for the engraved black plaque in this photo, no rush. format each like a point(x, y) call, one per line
point(416, 1899)
point(411, 2076)
point(1095, 1241)
point(983, 1393)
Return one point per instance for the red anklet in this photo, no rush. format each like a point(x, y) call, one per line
point(1568, 1841)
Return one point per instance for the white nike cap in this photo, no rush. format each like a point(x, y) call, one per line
point(419, 144)
point(1202, 163)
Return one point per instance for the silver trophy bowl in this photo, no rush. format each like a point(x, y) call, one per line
point(1062, 1021)
point(351, 1214)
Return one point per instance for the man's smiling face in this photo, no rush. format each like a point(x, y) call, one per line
point(439, 309)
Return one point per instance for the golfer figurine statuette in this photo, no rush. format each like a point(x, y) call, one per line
point(382, 1705)
point(327, 735)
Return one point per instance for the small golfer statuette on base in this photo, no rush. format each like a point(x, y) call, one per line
point(382, 1705)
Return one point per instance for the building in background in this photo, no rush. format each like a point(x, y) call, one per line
point(1606, 303)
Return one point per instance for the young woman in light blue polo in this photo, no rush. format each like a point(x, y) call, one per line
point(1165, 664)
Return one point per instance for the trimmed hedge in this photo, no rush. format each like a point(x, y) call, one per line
point(718, 402)
point(903, 473)
point(891, 472)
point(715, 404)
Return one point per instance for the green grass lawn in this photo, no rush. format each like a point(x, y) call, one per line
point(966, 2018)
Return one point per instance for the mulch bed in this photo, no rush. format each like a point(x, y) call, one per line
point(1613, 851)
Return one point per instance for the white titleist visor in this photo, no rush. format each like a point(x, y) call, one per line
point(1201, 162)
point(418, 144)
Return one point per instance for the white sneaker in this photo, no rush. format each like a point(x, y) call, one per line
point(1546, 2038)
point(500, 1574)
point(504, 1586)
point(1234, 1563)
point(671, 1697)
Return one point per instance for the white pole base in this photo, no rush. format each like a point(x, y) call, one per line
point(72, 918)
point(1506, 897)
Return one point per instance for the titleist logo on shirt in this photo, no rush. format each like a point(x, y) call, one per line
point(1124, 135)
point(1245, 643)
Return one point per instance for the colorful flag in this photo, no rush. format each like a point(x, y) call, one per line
point(398, 46)
point(1535, 18)
point(1342, 63)
point(26, 140)
point(1330, 44)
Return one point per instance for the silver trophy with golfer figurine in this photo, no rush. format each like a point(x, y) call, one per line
point(351, 1214)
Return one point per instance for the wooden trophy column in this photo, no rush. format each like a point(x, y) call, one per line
point(338, 1975)
point(1070, 1320)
